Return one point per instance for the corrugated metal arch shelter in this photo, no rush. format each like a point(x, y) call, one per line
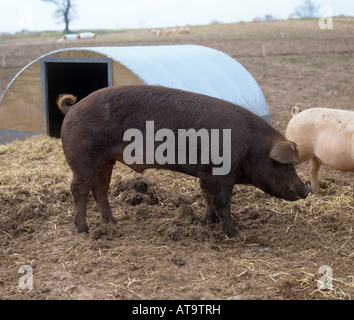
point(28, 105)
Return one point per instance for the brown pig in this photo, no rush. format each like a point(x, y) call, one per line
point(99, 130)
point(323, 136)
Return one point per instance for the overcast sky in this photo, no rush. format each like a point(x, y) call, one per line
point(36, 15)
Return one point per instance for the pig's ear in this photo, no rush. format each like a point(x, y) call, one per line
point(285, 152)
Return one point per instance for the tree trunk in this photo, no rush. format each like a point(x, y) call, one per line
point(67, 21)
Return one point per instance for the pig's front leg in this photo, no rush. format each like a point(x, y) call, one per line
point(224, 213)
point(314, 167)
point(218, 191)
point(211, 215)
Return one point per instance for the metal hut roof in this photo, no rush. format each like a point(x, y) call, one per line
point(193, 68)
point(188, 67)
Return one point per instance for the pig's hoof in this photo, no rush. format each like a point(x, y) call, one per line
point(235, 237)
point(232, 234)
point(83, 228)
point(111, 219)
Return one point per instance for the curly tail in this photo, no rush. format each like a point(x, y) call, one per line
point(294, 111)
point(65, 101)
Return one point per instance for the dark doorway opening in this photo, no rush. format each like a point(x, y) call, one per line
point(77, 78)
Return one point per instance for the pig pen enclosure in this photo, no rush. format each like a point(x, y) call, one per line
point(162, 246)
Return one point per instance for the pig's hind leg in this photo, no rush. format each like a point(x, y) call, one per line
point(218, 192)
point(80, 189)
point(100, 191)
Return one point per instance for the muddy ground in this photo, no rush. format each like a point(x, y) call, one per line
point(162, 247)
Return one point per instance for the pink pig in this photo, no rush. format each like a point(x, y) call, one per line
point(323, 136)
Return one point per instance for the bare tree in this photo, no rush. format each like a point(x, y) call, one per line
point(64, 12)
point(308, 9)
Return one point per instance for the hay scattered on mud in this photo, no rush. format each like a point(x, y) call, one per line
point(33, 165)
point(283, 243)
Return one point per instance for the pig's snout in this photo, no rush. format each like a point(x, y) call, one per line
point(297, 192)
point(305, 192)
